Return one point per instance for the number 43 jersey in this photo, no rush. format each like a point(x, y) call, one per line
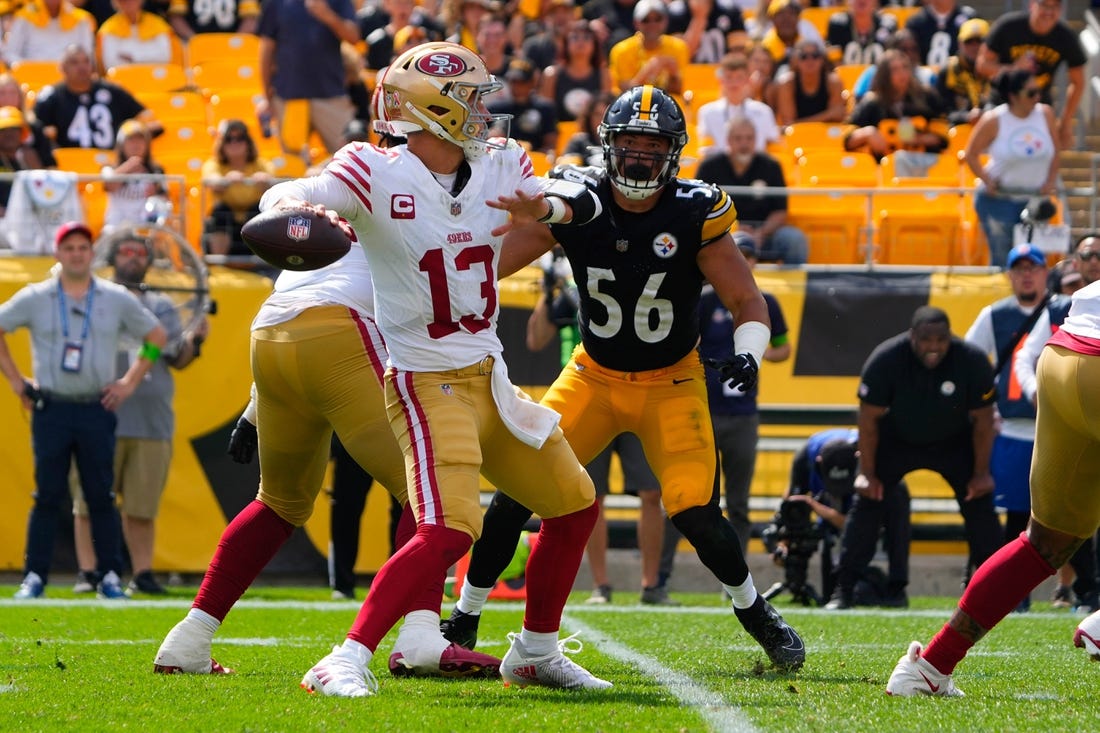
point(636, 273)
point(432, 254)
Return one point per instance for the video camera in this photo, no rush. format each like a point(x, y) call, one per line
point(792, 538)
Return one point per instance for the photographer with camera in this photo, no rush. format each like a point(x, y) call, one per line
point(823, 472)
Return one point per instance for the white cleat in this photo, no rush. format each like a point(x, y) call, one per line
point(521, 668)
point(186, 650)
point(1087, 636)
point(914, 676)
point(343, 673)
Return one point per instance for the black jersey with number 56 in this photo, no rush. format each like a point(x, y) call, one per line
point(636, 272)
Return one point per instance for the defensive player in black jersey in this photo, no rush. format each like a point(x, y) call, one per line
point(639, 267)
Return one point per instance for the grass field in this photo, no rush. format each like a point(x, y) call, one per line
point(70, 664)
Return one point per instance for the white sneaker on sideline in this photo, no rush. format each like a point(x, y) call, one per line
point(186, 650)
point(521, 668)
point(914, 676)
point(1087, 636)
point(343, 673)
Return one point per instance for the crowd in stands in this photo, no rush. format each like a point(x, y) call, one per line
point(822, 87)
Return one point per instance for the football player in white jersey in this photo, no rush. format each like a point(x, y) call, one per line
point(433, 246)
point(314, 343)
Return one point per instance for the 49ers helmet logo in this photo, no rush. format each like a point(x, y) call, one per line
point(443, 63)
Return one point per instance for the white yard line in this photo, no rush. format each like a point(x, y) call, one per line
point(719, 714)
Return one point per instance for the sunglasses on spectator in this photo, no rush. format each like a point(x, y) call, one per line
point(811, 55)
point(132, 250)
point(1031, 93)
point(1086, 256)
point(653, 19)
point(974, 40)
point(236, 139)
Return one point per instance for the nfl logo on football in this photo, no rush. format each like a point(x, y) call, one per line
point(297, 228)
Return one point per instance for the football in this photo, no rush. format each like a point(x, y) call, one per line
point(295, 239)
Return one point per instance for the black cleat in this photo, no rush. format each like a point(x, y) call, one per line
point(461, 628)
point(782, 643)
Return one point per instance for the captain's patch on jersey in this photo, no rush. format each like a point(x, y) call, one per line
point(297, 228)
point(665, 245)
point(402, 206)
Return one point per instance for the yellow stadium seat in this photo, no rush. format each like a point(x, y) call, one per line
point(849, 74)
point(834, 223)
point(183, 137)
point(919, 228)
point(699, 77)
point(900, 13)
point(944, 173)
point(143, 78)
point(823, 167)
point(566, 130)
point(540, 161)
point(94, 200)
point(287, 166)
point(819, 17)
point(802, 137)
point(176, 106)
point(221, 75)
point(205, 47)
point(958, 136)
point(184, 163)
point(34, 75)
point(84, 160)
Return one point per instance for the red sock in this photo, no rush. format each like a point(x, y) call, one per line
point(996, 589)
point(431, 593)
point(553, 566)
point(401, 580)
point(246, 547)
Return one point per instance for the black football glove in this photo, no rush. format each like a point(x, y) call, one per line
point(242, 441)
point(740, 370)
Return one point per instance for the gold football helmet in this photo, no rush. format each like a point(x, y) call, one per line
point(440, 87)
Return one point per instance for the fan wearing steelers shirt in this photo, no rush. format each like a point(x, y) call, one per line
point(639, 267)
point(433, 247)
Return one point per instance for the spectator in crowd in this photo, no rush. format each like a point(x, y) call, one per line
point(896, 94)
point(42, 31)
point(733, 410)
point(549, 47)
point(11, 95)
point(492, 39)
point(925, 402)
point(762, 68)
point(133, 36)
point(1065, 509)
point(712, 29)
point(15, 154)
point(1064, 278)
point(374, 15)
point(82, 111)
point(612, 20)
point(1020, 138)
point(584, 147)
point(1039, 41)
point(761, 217)
point(811, 91)
point(736, 100)
point(358, 93)
point(188, 17)
point(146, 423)
point(860, 34)
point(903, 41)
point(380, 41)
point(533, 120)
point(936, 28)
point(237, 177)
point(304, 97)
point(126, 198)
point(787, 29)
point(965, 94)
point(462, 18)
point(581, 75)
point(555, 313)
point(74, 394)
point(651, 55)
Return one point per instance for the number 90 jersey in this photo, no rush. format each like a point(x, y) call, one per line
point(637, 274)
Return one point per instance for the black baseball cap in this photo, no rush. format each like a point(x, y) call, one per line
point(838, 464)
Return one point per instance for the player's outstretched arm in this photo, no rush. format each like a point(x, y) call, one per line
point(522, 246)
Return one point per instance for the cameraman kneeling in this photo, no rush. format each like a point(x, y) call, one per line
point(822, 476)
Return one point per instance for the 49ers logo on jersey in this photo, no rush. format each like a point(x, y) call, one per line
point(443, 63)
point(665, 245)
point(402, 206)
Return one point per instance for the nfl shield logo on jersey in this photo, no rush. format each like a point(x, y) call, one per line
point(297, 228)
point(665, 245)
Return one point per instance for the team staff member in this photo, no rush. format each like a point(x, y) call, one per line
point(925, 401)
point(77, 322)
point(639, 267)
point(1065, 508)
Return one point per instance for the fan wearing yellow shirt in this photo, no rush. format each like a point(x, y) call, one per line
point(650, 56)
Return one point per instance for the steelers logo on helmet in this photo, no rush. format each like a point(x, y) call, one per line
point(642, 170)
point(665, 245)
point(440, 88)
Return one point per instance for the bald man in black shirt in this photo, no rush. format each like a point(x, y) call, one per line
point(925, 402)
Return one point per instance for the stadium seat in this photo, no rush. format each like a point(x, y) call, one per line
point(699, 78)
point(835, 225)
point(289, 166)
point(849, 74)
point(143, 78)
point(901, 13)
point(176, 106)
point(802, 137)
point(945, 172)
point(822, 167)
point(94, 200)
point(918, 228)
point(958, 136)
point(819, 17)
point(540, 161)
point(34, 75)
point(183, 163)
point(181, 136)
point(566, 130)
point(221, 75)
point(84, 160)
point(205, 47)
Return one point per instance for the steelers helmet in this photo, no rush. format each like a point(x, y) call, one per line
point(439, 87)
point(644, 110)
